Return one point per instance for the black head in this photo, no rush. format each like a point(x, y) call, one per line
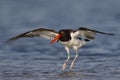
point(65, 35)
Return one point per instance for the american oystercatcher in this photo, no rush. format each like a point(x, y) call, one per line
point(68, 37)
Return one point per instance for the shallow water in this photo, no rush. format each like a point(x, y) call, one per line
point(35, 59)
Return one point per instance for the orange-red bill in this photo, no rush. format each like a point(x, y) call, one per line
point(55, 39)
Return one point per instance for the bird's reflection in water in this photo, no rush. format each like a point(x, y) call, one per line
point(77, 73)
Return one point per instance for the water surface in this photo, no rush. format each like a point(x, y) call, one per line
point(36, 59)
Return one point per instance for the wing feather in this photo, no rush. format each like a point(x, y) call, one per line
point(89, 33)
point(41, 32)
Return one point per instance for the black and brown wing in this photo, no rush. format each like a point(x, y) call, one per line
point(41, 32)
point(89, 33)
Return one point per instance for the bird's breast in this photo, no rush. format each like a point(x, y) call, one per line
point(64, 38)
point(72, 42)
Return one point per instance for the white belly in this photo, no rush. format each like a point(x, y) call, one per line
point(73, 42)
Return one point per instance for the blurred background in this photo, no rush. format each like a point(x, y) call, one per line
point(30, 59)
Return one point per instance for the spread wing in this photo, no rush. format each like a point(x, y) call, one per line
point(89, 33)
point(41, 32)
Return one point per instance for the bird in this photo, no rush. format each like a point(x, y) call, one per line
point(69, 38)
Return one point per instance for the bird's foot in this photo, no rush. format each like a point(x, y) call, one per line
point(71, 66)
point(64, 66)
point(73, 62)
